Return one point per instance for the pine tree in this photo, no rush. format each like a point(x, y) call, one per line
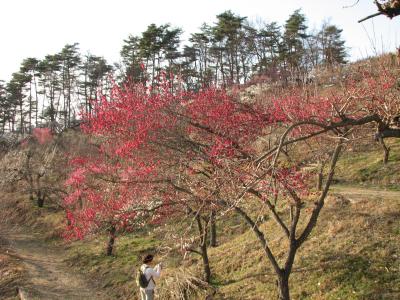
point(131, 59)
point(201, 43)
point(16, 97)
point(227, 36)
point(94, 71)
point(70, 60)
point(332, 45)
point(49, 72)
point(29, 68)
point(294, 36)
point(4, 108)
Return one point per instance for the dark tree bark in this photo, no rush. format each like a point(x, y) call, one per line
point(206, 263)
point(319, 181)
point(386, 151)
point(283, 287)
point(111, 241)
point(40, 200)
point(320, 176)
point(213, 230)
point(203, 248)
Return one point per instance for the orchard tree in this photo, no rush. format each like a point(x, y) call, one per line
point(38, 163)
point(111, 184)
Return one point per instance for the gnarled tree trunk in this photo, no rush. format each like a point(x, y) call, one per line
point(283, 287)
point(213, 230)
point(111, 241)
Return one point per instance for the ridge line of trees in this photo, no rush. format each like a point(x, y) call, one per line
point(53, 91)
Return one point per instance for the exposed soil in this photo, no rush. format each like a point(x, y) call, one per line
point(46, 275)
point(357, 193)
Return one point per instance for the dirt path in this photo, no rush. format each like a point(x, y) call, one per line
point(358, 193)
point(47, 276)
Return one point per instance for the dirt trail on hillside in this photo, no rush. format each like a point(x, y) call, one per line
point(47, 276)
point(358, 193)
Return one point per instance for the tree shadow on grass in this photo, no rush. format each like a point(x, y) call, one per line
point(364, 276)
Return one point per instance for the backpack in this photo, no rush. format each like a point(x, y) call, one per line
point(141, 279)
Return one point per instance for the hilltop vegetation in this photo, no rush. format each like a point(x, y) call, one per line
point(51, 91)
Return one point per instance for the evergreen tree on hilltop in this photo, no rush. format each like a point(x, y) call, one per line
point(29, 67)
point(94, 71)
point(332, 45)
point(199, 53)
point(49, 71)
point(293, 38)
point(131, 59)
point(4, 108)
point(227, 34)
point(70, 61)
point(15, 97)
point(159, 45)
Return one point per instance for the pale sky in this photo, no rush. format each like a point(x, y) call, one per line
point(34, 28)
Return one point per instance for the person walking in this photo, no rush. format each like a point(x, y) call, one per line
point(147, 284)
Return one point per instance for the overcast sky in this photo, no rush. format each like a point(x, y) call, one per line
point(34, 28)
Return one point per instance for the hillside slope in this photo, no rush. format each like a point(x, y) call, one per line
point(353, 253)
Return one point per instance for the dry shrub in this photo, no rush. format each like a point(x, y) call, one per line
point(184, 285)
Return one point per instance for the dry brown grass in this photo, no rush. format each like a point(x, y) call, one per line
point(11, 272)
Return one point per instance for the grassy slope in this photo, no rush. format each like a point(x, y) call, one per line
point(364, 166)
point(352, 254)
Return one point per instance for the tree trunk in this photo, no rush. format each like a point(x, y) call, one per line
point(386, 151)
point(283, 287)
point(37, 100)
point(21, 116)
point(206, 263)
point(110, 244)
point(213, 230)
point(40, 200)
point(319, 181)
point(30, 108)
point(203, 248)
